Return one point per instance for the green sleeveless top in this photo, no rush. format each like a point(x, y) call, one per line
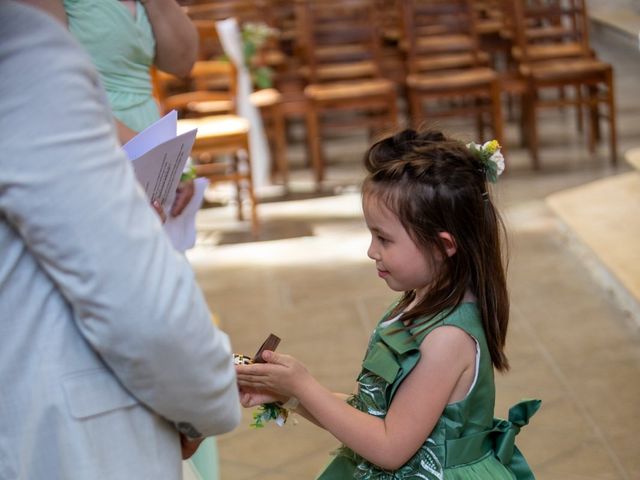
point(122, 48)
point(467, 441)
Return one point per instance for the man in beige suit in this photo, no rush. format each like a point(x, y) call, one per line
point(108, 357)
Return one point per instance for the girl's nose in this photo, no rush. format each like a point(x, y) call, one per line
point(371, 252)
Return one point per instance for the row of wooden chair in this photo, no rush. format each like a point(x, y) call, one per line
point(354, 59)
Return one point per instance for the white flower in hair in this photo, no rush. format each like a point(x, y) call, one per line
point(490, 156)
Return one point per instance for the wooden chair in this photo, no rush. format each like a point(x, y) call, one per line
point(211, 96)
point(573, 66)
point(448, 74)
point(340, 44)
point(221, 151)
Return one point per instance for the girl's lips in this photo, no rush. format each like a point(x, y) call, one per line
point(383, 273)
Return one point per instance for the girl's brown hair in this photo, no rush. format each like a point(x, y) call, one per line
point(435, 184)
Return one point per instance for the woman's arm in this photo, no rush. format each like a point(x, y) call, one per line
point(124, 133)
point(54, 8)
point(176, 36)
point(448, 355)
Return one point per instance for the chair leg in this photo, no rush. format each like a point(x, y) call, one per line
point(497, 120)
point(532, 125)
point(594, 118)
point(613, 136)
point(235, 160)
point(280, 143)
point(524, 119)
point(415, 108)
point(313, 141)
point(479, 124)
point(393, 112)
point(579, 104)
point(255, 224)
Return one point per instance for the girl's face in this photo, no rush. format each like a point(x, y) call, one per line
point(399, 261)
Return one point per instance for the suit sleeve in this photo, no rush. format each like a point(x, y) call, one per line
point(70, 193)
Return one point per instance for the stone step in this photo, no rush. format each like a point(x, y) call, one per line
point(632, 156)
point(602, 222)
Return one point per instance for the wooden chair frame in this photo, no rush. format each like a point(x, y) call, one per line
point(343, 71)
point(591, 78)
point(446, 66)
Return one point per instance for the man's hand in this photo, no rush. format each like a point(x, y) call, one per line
point(189, 445)
point(158, 208)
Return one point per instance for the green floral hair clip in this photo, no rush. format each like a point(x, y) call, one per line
point(489, 155)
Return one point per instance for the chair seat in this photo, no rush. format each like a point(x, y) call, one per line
point(445, 43)
point(201, 102)
point(452, 80)
point(353, 89)
point(343, 71)
point(549, 32)
point(454, 60)
point(215, 126)
point(266, 97)
point(564, 69)
point(274, 58)
point(551, 50)
point(210, 107)
point(490, 25)
point(344, 51)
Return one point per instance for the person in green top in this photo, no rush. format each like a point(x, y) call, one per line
point(125, 39)
point(424, 406)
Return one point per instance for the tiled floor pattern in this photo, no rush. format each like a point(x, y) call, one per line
point(308, 280)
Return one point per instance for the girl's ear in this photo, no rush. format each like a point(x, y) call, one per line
point(449, 243)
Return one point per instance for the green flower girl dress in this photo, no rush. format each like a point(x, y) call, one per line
point(467, 442)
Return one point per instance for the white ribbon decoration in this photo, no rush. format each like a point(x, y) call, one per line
point(231, 40)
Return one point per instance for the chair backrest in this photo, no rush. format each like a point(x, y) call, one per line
point(243, 10)
point(489, 15)
point(209, 46)
point(339, 39)
point(560, 25)
point(211, 86)
point(440, 35)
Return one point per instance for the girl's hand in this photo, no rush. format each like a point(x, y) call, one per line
point(282, 375)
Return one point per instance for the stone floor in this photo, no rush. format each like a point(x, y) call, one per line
point(307, 279)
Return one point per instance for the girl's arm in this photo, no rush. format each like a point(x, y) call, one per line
point(176, 36)
point(302, 411)
point(443, 374)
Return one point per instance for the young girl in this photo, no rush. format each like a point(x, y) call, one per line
point(425, 398)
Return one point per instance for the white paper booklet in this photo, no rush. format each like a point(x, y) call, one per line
point(159, 156)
